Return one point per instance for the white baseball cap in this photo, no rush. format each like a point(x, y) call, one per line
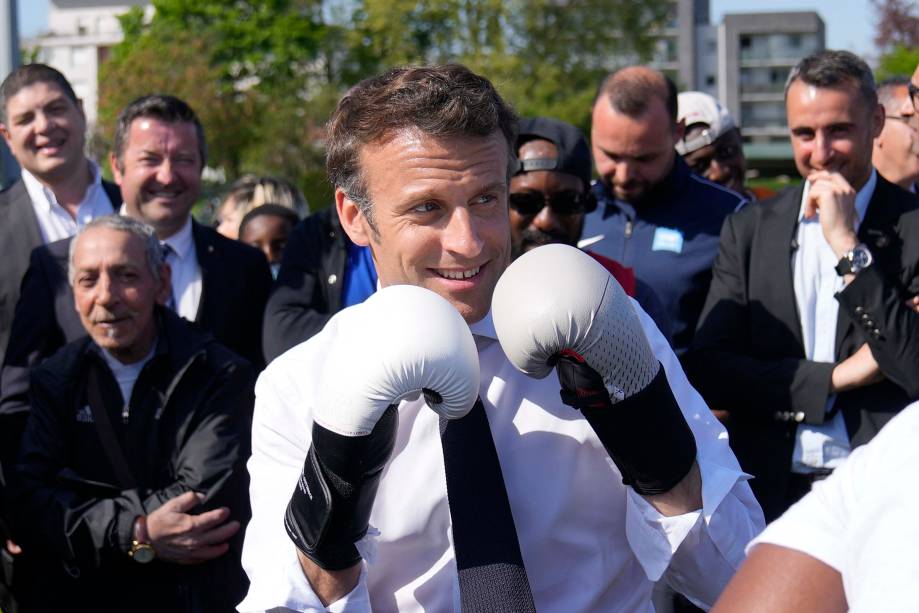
point(698, 107)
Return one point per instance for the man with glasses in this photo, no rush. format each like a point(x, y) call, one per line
point(896, 150)
point(654, 213)
point(549, 195)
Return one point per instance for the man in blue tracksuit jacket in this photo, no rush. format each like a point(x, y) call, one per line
point(653, 213)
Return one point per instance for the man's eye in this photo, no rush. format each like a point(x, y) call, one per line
point(486, 199)
point(425, 207)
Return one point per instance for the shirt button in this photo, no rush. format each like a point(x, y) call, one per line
point(859, 310)
point(332, 279)
point(799, 416)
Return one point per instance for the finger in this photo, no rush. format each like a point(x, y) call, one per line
point(13, 548)
point(219, 534)
point(206, 521)
point(184, 502)
point(204, 554)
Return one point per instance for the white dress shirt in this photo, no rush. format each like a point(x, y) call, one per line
point(816, 285)
point(54, 222)
point(861, 520)
point(186, 274)
point(589, 543)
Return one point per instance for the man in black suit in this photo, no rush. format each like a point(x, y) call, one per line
point(42, 122)
point(219, 284)
point(806, 336)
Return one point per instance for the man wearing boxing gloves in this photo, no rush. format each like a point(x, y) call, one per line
point(408, 458)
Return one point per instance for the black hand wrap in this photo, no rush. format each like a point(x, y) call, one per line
point(330, 508)
point(645, 434)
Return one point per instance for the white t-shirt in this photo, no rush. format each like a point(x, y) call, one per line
point(589, 543)
point(863, 520)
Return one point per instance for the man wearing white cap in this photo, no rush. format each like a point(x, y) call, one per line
point(711, 144)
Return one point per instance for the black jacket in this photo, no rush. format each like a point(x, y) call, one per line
point(308, 288)
point(748, 356)
point(19, 235)
point(187, 429)
point(235, 281)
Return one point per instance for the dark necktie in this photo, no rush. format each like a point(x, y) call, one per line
point(166, 252)
point(492, 577)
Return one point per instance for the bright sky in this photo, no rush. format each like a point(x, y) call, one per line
point(849, 23)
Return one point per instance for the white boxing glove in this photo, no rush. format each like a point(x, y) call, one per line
point(401, 342)
point(556, 306)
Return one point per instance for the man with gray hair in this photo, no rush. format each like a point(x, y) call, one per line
point(813, 363)
point(896, 149)
point(129, 490)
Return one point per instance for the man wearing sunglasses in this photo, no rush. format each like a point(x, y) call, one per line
point(550, 194)
point(896, 150)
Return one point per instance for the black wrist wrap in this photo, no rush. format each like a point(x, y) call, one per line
point(330, 508)
point(645, 434)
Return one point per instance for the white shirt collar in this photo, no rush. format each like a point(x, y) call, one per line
point(182, 242)
point(485, 327)
point(41, 195)
point(862, 198)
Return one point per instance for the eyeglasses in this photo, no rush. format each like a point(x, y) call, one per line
point(914, 96)
point(897, 118)
point(530, 203)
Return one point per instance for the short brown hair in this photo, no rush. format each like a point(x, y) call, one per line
point(440, 101)
point(630, 90)
point(29, 74)
point(167, 109)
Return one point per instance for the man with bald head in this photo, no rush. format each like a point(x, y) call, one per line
point(654, 215)
point(896, 150)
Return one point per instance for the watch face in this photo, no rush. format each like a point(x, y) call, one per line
point(860, 259)
point(142, 553)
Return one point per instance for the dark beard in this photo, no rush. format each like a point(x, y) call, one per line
point(532, 237)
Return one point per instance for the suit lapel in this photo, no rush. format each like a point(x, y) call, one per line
point(779, 242)
point(206, 253)
point(24, 211)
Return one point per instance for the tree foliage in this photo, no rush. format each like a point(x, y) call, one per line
point(264, 74)
point(897, 37)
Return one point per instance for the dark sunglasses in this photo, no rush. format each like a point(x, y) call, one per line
point(914, 96)
point(722, 153)
point(529, 204)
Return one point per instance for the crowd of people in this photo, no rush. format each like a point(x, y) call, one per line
point(247, 417)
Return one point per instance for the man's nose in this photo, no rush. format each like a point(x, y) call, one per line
point(623, 173)
point(546, 219)
point(164, 172)
point(821, 151)
point(461, 236)
point(105, 291)
point(43, 122)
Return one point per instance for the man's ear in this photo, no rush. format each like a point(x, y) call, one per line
point(679, 131)
point(352, 219)
point(879, 116)
point(116, 171)
point(164, 287)
point(5, 133)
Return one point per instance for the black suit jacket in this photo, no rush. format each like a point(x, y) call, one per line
point(19, 235)
point(748, 356)
point(235, 281)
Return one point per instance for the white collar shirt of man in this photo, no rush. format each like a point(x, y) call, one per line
point(186, 274)
point(861, 521)
point(54, 221)
point(816, 285)
point(589, 543)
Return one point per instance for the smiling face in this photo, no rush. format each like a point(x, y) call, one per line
point(440, 215)
point(633, 154)
point(832, 129)
point(45, 131)
point(160, 173)
point(115, 291)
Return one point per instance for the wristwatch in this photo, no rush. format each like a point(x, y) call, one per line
point(853, 262)
point(141, 550)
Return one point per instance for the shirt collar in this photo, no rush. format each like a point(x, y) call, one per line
point(182, 242)
point(485, 327)
point(40, 194)
point(862, 198)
